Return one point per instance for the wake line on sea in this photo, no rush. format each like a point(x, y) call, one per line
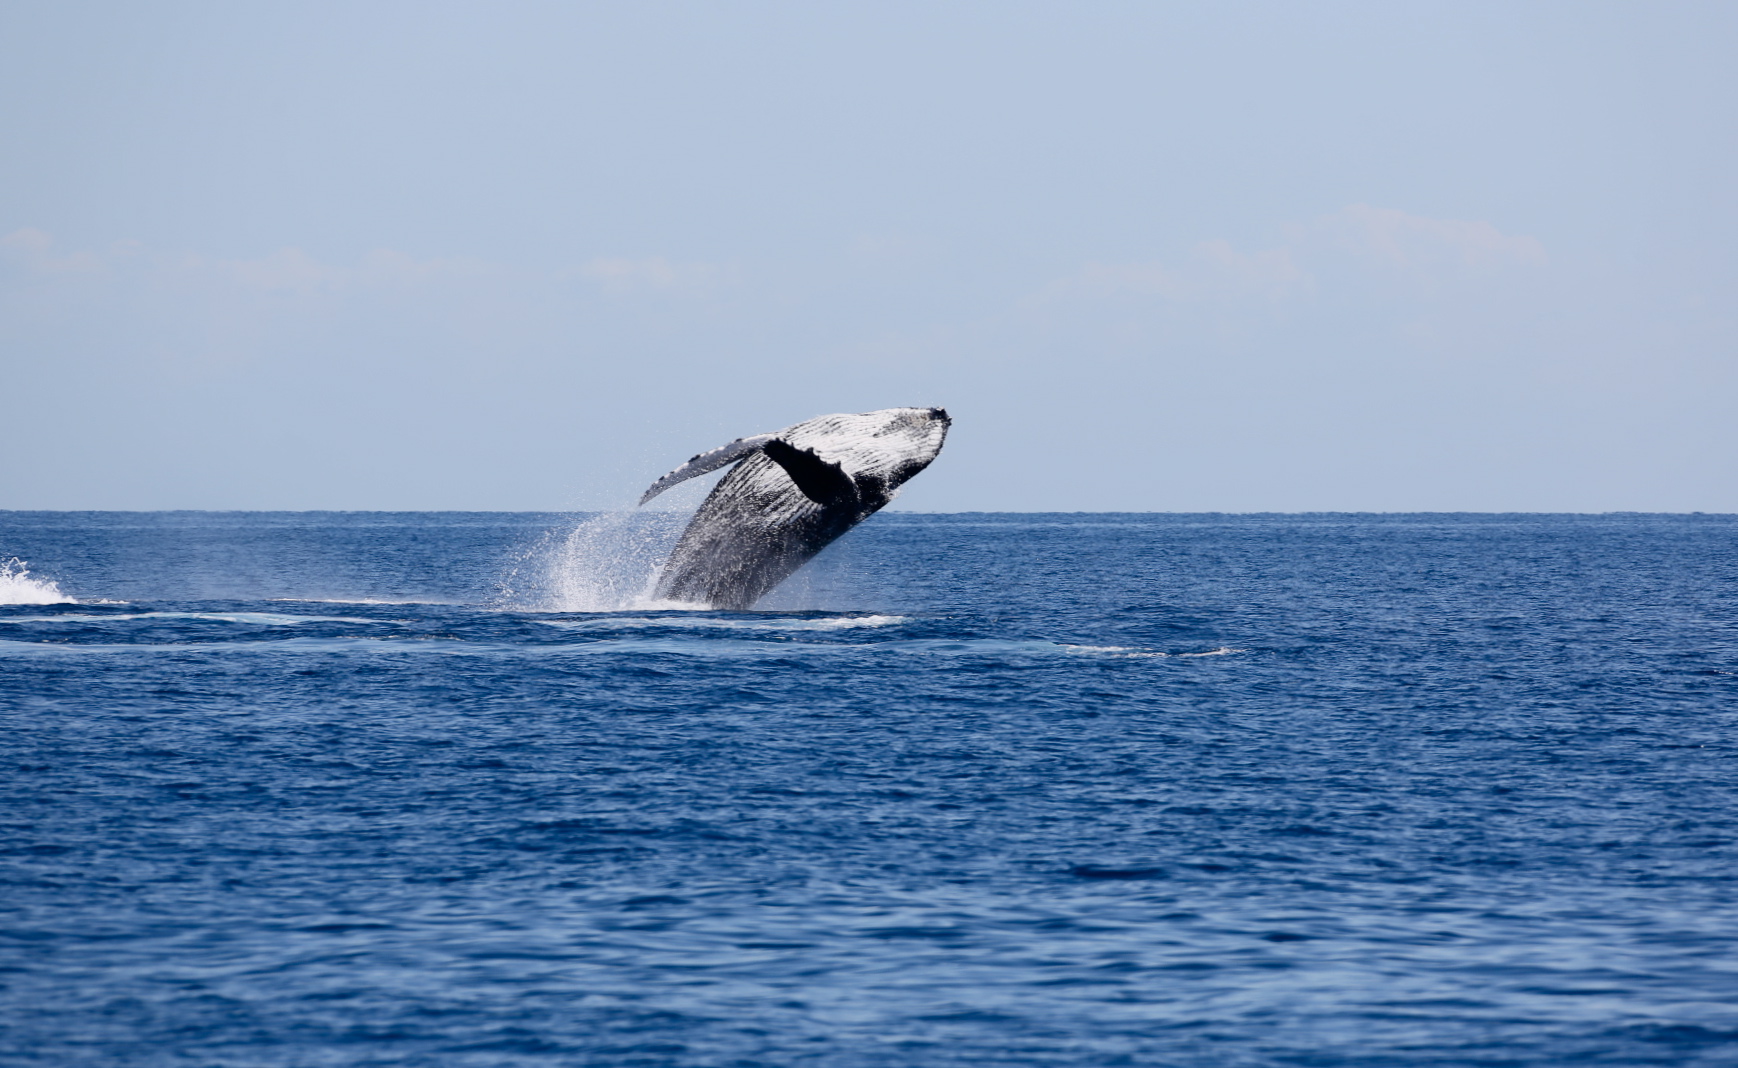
point(709, 648)
point(367, 600)
point(257, 619)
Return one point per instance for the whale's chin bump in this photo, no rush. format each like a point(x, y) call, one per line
point(790, 494)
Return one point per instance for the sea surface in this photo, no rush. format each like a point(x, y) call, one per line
point(353, 789)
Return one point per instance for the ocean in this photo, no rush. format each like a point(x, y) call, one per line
point(408, 789)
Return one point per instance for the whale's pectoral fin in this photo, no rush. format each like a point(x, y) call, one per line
point(708, 461)
point(822, 482)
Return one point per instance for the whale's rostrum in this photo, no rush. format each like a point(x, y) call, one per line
point(791, 494)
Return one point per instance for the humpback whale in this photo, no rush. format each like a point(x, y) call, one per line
point(791, 494)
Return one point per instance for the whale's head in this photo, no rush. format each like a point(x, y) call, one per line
point(916, 433)
point(878, 451)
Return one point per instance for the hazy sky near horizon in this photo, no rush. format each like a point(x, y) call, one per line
point(1172, 257)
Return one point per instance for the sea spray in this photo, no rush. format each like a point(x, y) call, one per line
point(607, 563)
point(17, 587)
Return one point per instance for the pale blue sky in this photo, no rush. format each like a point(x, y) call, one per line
point(1287, 256)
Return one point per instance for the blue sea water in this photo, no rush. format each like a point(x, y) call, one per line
point(351, 789)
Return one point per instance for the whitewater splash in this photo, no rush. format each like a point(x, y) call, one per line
point(608, 563)
point(17, 587)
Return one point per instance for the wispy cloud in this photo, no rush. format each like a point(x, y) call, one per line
point(288, 270)
point(292, 270)
point(1384, 239)
point(33, 250)
point(618, 275)
point(188, 310)
point(1214, 271)
point(1416, 241)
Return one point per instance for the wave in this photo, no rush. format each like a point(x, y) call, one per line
point(17, 587)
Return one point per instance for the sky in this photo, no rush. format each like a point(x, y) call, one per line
point(1152, 257)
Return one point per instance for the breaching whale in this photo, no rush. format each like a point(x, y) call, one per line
point(792, 493)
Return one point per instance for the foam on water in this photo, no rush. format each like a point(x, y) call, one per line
point(17, 587)
point(686, 622)
point(706, 647)
point(1123, 650)
point(359, 600)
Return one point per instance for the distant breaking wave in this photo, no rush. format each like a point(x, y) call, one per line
point(17, 587)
